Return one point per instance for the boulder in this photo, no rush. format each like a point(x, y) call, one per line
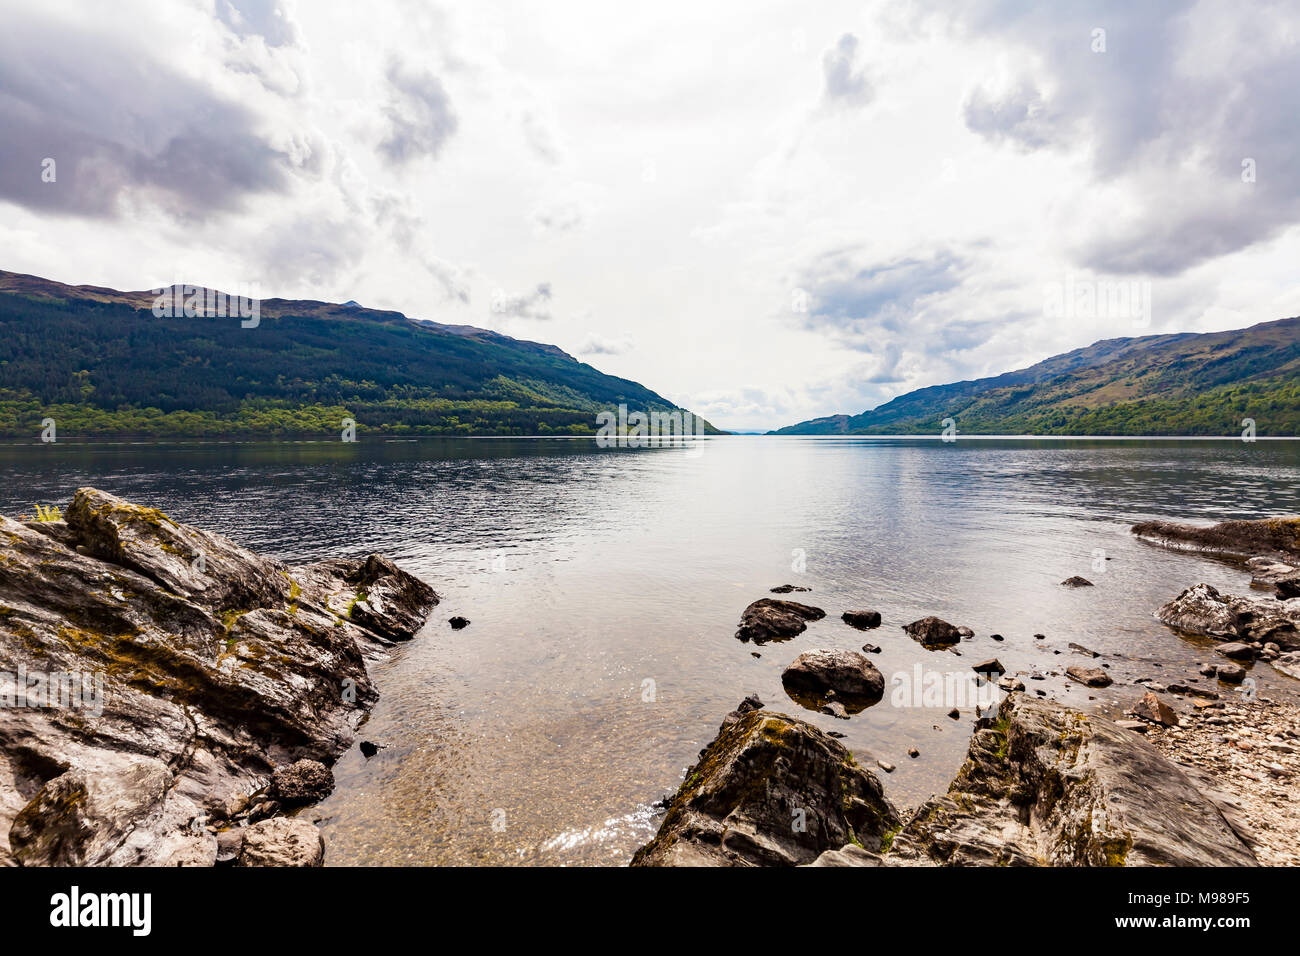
point(1152, 708)
point(1202, 610)
point(303, 781)
point(768, 619)
point(1232, 674)
point(933, 632)
point(861, 619)
point(770, 790)
point(282, 841)
point(1238, 651)
point(1046, 785)
point(178, 643)
point(1092, 676)
point(851, 677)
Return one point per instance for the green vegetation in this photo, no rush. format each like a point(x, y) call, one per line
point(103, 366)
point(1156, 385)
point(52, 513)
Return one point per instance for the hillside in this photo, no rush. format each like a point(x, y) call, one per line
point(1178, 384)
point(100, 363)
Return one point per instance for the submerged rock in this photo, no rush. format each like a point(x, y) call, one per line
point(933, 632)
point(174, 643)
point(788, 589)
point(768, 619)
point(851, 677)
point(770, 790)
point(1046, 785)
point(1077, 582)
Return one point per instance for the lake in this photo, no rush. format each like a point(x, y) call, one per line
point(604, 587)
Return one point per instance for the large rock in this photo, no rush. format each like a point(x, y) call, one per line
point(933, 632)
point(770, 790)
point(1092, 676)
point(768, 619)
point(1202, 610)
point(1288, 664)
point(172, 643)
point(851, 676)
point(1272, 537)
point(1047, 785)
point(282, 841)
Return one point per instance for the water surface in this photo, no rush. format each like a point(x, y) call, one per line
point(604, 587)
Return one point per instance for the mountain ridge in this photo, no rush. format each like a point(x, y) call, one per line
point(1179, 383)
point(102, 362)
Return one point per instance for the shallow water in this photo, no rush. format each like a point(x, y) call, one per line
point(604, 587)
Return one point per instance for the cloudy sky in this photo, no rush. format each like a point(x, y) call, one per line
point(764, 211)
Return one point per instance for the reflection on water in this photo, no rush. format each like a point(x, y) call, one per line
point(604, 587)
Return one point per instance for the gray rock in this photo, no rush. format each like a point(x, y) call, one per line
point(1048, 785)
point(853, 679)
point(933, 632)
point(768, 619)
point(219, 663)
point(1092, 676)
point(1266, 538)
point(282, 841)
point(770, 790)
point(1202, 610)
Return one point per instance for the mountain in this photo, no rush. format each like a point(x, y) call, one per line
point(1178, 384)
point(100, 362)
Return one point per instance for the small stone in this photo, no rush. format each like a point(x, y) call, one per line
point(955, 714)
point(1091, 676)
point(1077, 582)
point(369, 748)
point(861, 619)
point(913, 752)
point(1152, 708)
point(990, 666)
point(458, 622)
point(885, 766)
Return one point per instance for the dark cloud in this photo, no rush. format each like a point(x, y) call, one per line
point(120, 124)
point(847, 294)
point(1018, 116)
point(1180, 96)
point(847, 84)
point(419, 114)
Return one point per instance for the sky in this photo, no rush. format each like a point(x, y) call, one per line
point(766, 212)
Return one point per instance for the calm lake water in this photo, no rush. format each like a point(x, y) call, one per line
point(604, 588)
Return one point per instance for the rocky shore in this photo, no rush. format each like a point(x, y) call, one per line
point(170, 698)
point(1188, 776)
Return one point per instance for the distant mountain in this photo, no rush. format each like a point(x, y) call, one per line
point(1178, 384)
point(100, 362)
